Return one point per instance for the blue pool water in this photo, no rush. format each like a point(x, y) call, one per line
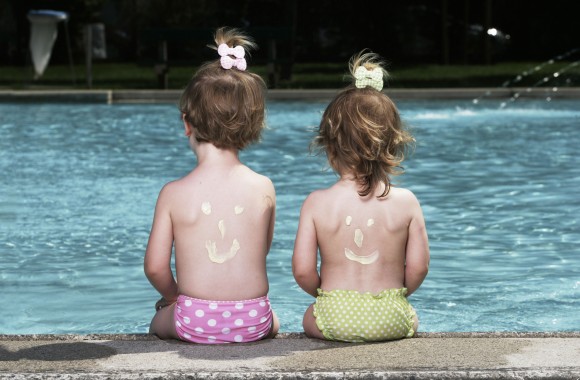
point(498, 187)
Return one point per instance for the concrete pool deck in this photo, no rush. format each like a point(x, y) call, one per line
point(292, 355)
point(172, 96)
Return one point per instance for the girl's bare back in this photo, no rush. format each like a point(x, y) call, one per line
point(221, 218)
point(362, 241)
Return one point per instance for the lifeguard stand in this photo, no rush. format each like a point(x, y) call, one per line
point(43, 33)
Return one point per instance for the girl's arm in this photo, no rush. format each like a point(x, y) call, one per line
point(272, 201)
point(304, 259)
point(417, 253)
point(158, 254)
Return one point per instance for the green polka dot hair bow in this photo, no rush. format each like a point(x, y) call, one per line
point(373, 78)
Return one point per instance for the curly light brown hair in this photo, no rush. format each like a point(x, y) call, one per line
point(225, 107)
point(362, 133)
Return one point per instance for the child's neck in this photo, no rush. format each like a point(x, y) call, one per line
point(347, 177)
point(347, 181)
point(209, 154)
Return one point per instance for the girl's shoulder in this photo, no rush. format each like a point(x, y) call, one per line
point(321, 195)
point(404, 198)
point(401, 192)
point(174, 190)
point(256, 179)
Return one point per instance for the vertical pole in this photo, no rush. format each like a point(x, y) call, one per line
point(70, 57)
point(465, 32)
point(89, 54)
point(162, 68)
point(271, 65)
point(288, 59)
point(487, 49)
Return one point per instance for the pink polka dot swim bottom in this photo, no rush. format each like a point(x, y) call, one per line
point(202, 321)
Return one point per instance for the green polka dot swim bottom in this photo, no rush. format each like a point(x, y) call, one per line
point(349, 316)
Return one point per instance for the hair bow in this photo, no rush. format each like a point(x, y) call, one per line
point(373, 78)
point(228, 62)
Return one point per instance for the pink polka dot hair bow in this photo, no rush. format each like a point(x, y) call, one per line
point(228, 62)
point(373, 78)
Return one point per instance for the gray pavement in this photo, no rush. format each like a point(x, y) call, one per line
point(292, 355)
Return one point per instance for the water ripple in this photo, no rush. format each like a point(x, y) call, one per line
point(498, 189)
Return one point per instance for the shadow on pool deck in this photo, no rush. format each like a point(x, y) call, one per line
point(292, 355)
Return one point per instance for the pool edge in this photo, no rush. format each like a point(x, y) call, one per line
point(292, 335)
point(172, 96)
point(501, 355)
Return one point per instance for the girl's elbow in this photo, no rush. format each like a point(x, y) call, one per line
point(302, 275)
point(418, 271)
point(297, 269)
point(298, 274)
point(421, 271)
point(151, 270)
point(424, 269)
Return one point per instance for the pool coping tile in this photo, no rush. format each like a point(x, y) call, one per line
point(471, 355)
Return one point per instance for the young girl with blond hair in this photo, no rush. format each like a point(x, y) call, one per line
point(219, 218)
point(371, 235)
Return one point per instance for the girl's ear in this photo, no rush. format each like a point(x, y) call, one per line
point(186, 126)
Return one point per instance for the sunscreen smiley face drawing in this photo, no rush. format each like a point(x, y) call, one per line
point(358, 240)
point(211, 245)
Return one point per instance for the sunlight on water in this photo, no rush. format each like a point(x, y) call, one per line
point(498, 188)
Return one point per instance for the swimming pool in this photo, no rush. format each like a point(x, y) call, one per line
point(498, 188)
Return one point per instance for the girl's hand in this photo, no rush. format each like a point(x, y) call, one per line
point(162, 303)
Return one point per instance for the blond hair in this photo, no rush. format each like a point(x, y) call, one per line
point(225, 107)
point(362, 133)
